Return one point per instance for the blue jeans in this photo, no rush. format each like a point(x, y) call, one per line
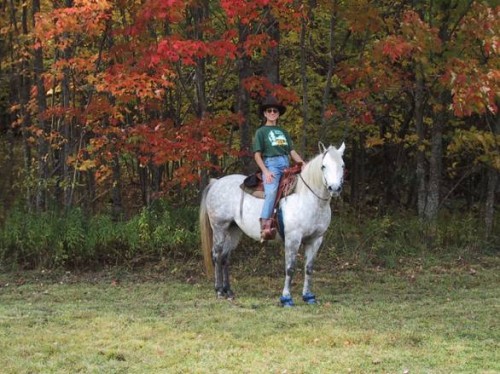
point(276, 165)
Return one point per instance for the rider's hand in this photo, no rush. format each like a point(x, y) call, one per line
point(268, 176)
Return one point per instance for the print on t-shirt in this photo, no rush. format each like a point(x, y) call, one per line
point(277, 138)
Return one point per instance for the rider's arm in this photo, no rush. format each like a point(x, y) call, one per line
point(266, 174)
point(296, 157)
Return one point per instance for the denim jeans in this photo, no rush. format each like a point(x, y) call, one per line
point(276, 165)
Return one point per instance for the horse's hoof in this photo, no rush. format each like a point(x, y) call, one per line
point(220, 295)
point(309, 298)
point(223, 295)
point(286, 301)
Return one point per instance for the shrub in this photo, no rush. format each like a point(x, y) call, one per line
point(384, 240)
point(50, 239)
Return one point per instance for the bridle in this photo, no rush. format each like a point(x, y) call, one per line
point(324, 181)
point(310, 189)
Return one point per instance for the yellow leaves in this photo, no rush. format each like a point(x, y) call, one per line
point(374, 141)
point(481, 145)
point(79, 165)
point(86, 165)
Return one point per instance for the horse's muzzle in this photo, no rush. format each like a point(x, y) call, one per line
point(335, 190)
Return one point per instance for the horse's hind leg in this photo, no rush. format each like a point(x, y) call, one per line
point(311, 250)
point(225, 240)
point(232, 240)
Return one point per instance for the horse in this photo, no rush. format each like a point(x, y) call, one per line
point(226, 211)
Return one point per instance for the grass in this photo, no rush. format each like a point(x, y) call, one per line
point(440, 318)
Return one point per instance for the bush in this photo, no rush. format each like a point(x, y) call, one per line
point(51, 240)
point(385, 240)
point(74, 239)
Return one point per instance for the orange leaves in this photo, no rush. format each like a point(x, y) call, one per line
point(85, 18)
point(189, 145)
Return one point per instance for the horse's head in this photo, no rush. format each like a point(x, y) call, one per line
point(332, 167)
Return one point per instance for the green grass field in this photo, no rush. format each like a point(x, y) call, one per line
point(440, 318)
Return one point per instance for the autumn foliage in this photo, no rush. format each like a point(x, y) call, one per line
point(149, 99)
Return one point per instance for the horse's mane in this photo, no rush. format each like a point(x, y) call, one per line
point(312, 174)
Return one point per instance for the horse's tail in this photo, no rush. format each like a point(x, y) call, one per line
point(206, 234)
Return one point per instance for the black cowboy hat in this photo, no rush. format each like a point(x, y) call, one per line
point(271, 102)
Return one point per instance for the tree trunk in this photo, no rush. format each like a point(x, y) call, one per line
point(270, 61)
point(435, 168)
point(243, 103)
point(419, 125)
point(493, 177)
point(116, 191)
point(305, 84)
point(66, 130)
point(43, 146)
point(329, 74)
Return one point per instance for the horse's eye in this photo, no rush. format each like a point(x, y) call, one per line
point(323, 167)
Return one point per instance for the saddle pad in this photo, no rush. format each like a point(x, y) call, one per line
point(287, 184)
point(258, 193)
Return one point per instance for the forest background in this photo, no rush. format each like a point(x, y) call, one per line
point(114, 114)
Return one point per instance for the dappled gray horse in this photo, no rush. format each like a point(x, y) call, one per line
point(226, 211)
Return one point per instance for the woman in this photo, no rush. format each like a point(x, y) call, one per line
point(272, 148)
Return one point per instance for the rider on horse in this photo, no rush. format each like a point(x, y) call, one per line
point(272, 148)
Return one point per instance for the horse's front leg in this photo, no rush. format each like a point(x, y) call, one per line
point(291, 249)
point(311, 250)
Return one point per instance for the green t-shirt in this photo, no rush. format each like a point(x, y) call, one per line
point(272, 141)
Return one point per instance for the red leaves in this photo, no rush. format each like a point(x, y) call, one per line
point(259, 87)
point(415, 40)
point(396, 47)
point(244, 10)
point(474, 89)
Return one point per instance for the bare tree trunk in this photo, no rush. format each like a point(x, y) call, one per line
point(357, 171)
point(43, 147)
point(66, 130)
point(116, 192)
point(199, 14)
point(419, 125)
point(435, 169)
point(305, 85)
point(243, 103)
point(329, 74)
point(493, 177)
point(270, 61)
point(23, 86)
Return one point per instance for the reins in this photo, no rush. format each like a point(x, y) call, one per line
point(310, 189)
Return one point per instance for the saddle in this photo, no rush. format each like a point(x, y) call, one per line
point(254, 185)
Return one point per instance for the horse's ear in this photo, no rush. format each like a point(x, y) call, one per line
point(322, 148)
point(342, 148)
